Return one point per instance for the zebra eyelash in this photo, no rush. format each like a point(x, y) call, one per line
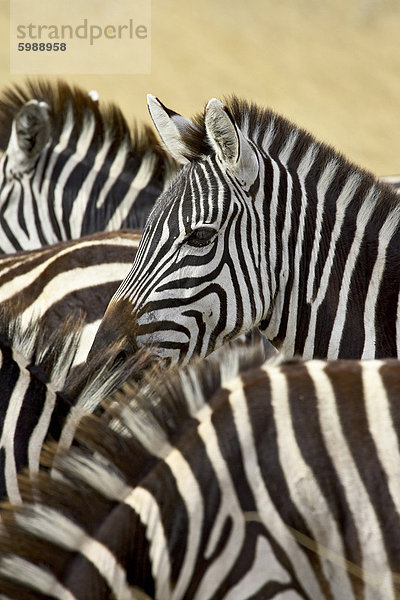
point(201, 237)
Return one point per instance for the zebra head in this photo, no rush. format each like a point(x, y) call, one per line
point(195, 284)
point(263, 226)
point(72, 166)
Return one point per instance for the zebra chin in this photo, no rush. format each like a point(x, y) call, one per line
point(170, 337)
point(175, 337)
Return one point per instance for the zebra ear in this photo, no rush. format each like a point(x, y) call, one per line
point(170, 126)
point(30, 132)
point(229, 143)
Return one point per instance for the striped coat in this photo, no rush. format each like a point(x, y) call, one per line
point(67, 280)
point(72, 167)
point(263, 226)
point(218, 481)
point(39, 399)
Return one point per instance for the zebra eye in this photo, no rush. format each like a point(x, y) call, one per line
point(201, 237)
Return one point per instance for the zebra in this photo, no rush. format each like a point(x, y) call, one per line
point(71, 167)
point(222, 479)
point(72, 279)
point(33, 366)
point(263, 226)
point(39, 398)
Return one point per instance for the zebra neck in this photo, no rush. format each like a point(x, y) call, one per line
point(329, 229)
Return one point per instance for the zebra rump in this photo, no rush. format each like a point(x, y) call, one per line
point(72, 167)
point(225, 480)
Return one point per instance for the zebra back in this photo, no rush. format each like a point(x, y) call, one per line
point(393, 180)
point(72, 167)
point(70, 279)
point(279, 480)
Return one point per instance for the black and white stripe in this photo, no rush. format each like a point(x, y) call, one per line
point(38, 398)
point(72, 167)
point(271, 481)
point(33, 367)
point(266, 227)
point(73, 279)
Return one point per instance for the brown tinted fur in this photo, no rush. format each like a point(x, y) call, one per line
point(123, 328)
point(61, 97)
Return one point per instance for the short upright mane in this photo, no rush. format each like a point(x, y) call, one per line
point(166, 402)
point(51, 356)
point(97, 479)
point(152, 409)
point(68, 102)
point(267, 128)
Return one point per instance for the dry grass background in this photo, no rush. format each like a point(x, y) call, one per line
point(332, 66)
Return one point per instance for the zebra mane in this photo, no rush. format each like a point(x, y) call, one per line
point(50, 355)
point(113, 455)
point(147, 410)
point(72, 102)
point(270, 130)
point(167, 402)
point(92, 384)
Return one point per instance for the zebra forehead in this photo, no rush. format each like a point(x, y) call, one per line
point(170, 197)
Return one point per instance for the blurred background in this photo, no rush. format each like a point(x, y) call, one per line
point(331, 66)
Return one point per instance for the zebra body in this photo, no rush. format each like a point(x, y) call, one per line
point(38, 398)
point(31, 372)
point(74, 278)
point(269, 481)
point(71, 168)
point(263, 227)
